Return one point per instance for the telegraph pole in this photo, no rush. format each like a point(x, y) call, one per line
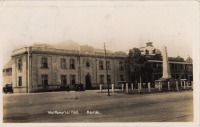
point(106, 71)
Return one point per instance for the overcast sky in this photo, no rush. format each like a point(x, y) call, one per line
point(121, 25)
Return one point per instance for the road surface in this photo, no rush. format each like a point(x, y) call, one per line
point(91, 106)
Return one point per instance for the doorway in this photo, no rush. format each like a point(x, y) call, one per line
point(88, 84)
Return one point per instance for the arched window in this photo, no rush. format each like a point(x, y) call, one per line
point(72, 64)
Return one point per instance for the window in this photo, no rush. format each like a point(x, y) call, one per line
point(121, 67)
point(19, 63)
point(154, 51)
point(44, 62)
point(19, 81)
point(176, 67)
point(87, 64)
point(44, 80)
point(180, 66)
point(109, 79)
point(72, 79)
point(63, 80)
point(172, 66)
point(72, 64)
point(154, 65)
point(101, 79)
point(63, 63)
point(121, 77)
point(159, 66)
point(147, 52)
point(100, 65)
point(186, 67)
point(108, 65)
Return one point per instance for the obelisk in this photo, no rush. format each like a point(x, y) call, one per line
point(166, 69)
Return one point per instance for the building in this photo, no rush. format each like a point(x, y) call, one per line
point(180, 68)
point(42, 67)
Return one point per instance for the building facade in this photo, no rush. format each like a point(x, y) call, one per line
point(37, 67)
point(180, 68)
point(42, 68)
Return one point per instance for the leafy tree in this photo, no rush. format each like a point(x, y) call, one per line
point(137, 66)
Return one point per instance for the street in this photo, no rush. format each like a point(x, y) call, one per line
point(92, 106)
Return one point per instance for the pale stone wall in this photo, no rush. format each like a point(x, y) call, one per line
point(55, 71)
point(16, 73)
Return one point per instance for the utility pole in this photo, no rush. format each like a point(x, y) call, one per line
point(106, 71)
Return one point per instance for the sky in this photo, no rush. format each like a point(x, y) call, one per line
point(121, 25)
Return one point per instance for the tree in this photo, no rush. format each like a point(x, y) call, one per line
point(137, 66)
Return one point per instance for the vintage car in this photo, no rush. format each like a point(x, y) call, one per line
point(64, 88)
point(8, 88)
point(78, 87)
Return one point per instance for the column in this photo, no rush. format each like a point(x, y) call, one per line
point(177, 86)
point(159, 87)
point(113, 89)
point(126, 87)
point(184, 85)
point(101, 88)
point(139, 87)
point(181, 84)
point(131, 86)
point(122, 87)
point(149, 86)
point(168, 86)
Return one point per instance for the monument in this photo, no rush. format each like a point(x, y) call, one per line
point(166, 69)
point(166, 80)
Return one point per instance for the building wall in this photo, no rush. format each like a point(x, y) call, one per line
point(54, 70)
point(16, 73)
point(179, 70)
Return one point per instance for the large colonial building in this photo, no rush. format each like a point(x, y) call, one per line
point(39, 67)
point(45, 67)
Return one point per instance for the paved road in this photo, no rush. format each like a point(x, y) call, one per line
point(91, 106)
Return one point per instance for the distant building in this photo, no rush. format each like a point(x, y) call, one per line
point(180, 68)
point(42, 67)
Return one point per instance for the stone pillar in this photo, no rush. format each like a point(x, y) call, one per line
point(159, 87)
point(168, 86)
point(122, 87)
point(166, 69)
point(113, 89)
point(131, 86)
point(101, 88)
point(126, 87)
point(139, 87)
point(177, 86)
point(187, 84)
point(149, 86)
point(184, 85)
point(181, 84)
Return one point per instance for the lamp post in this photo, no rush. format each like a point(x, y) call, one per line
point(106, 71)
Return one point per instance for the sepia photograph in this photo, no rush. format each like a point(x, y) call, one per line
point(92, 63)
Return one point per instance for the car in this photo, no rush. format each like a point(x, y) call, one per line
point(79, 87)
point(8, 88)
point(64, 88)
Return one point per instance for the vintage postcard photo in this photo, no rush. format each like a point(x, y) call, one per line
point(101, 62)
